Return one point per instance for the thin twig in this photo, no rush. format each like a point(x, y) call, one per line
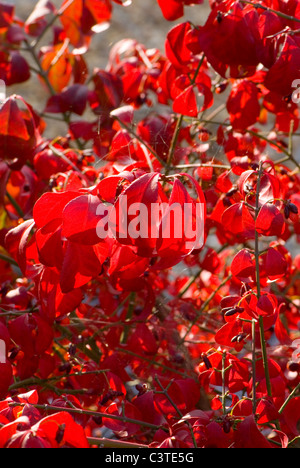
point(165, 392)
point(291, 396)
point(278, 13)
point(204, 306)
point(89, 413)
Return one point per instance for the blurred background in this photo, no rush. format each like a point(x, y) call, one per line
point(142, 20)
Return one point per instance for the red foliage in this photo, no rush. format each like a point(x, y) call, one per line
point(110, 319)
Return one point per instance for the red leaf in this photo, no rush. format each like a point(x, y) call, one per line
point(50, 207)
point(171, 9)
point(185, 394)
point(81, 264)
point(18, 136)
point(82, 17)
point(275, 264)
point(291, 417)
point(72, 99)
point(281, 333)
point(225, 335)
point(174, 9)
point(145, 404)
point(8, 431)
point(186, 95)
point(266, 305)
point(6, 378)
point(108, 92)
point(270, 222)
point(46, 164)
point(31, 333)
point(243, 105)
point(176, 48)
point(36, 23)
point(186, 103)
point(49, 244)
point(270, 188)
point(6, 15)
point(284, 71)
point(16, 242)
point(80, 220)
point(238, 378)
point(142, 341)
point(17, 70)
point(238, 220)
point(140, 194)
point(54, 302)
point(122, 147)
point(125, 114)
point(249, 436)
point(243, 265)
point(117, 426)
point(72, 433)
point(57, 62)
point(230, 39)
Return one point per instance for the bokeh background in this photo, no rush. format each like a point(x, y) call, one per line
point(142, 20)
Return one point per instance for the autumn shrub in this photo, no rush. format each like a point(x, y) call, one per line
point(150, 340)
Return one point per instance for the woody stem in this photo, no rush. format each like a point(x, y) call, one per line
point(261, 321)
point(44, 76)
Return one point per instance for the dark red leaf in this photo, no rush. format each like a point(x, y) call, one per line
point(249, 436)
point(243, 265)
point(270, 222)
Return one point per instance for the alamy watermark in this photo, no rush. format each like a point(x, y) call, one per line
point(2, 91)
point(296, 93)
point(154, 221)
